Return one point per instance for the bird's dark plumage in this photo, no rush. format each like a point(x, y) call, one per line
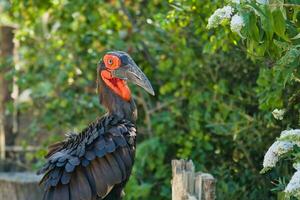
point(92, 163)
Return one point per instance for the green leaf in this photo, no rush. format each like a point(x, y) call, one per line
point(267, 22)
point(281, 196)
point(289, 57)
point(256, 8)
point(261, 49)
point(296, 37)
point(264, 170)
point(251, 26)
point(279, 25)
point(282, 45)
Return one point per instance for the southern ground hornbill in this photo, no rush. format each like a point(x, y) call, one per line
point(96, 163)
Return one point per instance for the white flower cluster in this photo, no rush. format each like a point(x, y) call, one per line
point(277, 149)
point(291, 135)
point(283, 145)
point(278, 113)
point(293, 188)
point(290, 132)
point(223, 14)
point(236, 24)
point(219, 16)
point(296, 166)
point(280, 147)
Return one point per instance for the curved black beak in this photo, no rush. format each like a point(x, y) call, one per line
point(132, 73)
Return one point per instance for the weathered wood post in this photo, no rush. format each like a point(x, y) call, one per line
point(188, 185)
point(20, 186)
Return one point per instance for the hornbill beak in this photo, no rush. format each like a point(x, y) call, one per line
point(132, 73)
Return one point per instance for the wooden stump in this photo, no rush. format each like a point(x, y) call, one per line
point(188, 185)
point(19, 186)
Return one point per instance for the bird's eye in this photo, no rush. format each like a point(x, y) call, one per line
point(111, 61)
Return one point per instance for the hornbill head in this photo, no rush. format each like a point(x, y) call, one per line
point(116, 68)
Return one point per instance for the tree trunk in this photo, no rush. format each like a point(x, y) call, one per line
point(6, 55)
point(15, 93)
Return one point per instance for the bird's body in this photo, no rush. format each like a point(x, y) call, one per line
point(97, 163)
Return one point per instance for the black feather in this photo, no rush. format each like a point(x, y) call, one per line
point(74, 161)
point(93, 163)
point(120, 141)
point(120, 164)
point(114, 167)
point(69, 167)
point(60, 164)
point(65, 178)
point(89, 155)
point(85, 162)
point(61, 192)
point(79, 186)
point(109, 145)
point(48, 195)
point(100, 184)
point(100, 152)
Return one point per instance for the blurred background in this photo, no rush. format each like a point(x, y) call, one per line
point(210, 106)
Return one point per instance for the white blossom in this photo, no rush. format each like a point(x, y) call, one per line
point(285, 143)
point(296, 166)
point(277, 149)
point(262, 1)
point(278, 113)
point(25, 96)
point(236, 1)
point(219, 16)
point(292, 134)
point(237, 23)
point(293, 187)
point(280, 147)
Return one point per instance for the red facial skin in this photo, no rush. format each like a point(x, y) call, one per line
point(117, 85)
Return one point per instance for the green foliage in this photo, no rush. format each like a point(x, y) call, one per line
point(150, 155)
point(270, 34)
point(212, 105)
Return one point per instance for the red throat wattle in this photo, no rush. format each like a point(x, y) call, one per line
point(117, 85)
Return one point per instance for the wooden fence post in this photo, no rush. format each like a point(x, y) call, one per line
point(20, 186)
point(188, 185)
